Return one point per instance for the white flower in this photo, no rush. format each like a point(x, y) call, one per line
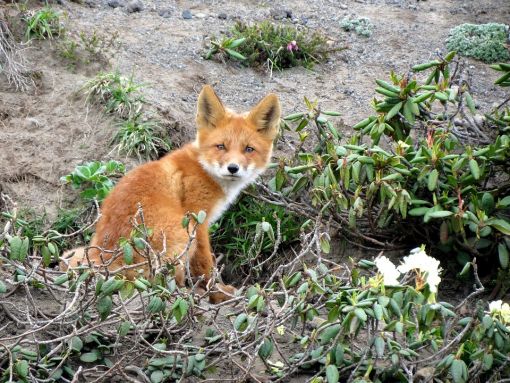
point(498, 308)
point(419, 260)
point(495, 306)
point(388, 271)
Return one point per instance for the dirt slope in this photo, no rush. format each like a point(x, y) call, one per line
point(44, 134)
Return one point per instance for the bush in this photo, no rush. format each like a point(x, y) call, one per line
point(485, 42)
point(448, 187)
point(275, 46)
point(95, 178)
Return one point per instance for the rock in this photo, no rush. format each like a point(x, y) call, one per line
point(200, 15)
point(186, 14)
point(114, 3)
point(222, 16)
point(166, 13)
point(280, 14)
point(134, 6)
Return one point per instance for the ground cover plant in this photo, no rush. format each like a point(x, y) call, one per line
point(118, 94)
point(486, 42)
point(358, 320)
point(141, 137)
point(274, 46)
point(43, 23)
point(361, 25)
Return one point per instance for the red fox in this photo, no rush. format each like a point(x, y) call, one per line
point(229, 152)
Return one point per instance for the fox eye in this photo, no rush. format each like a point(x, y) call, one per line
point(249, 149)
point(220, 147)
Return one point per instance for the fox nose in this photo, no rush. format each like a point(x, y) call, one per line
point(233, 168)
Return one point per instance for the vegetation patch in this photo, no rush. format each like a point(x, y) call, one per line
point(43, 23)
point(141, 138)
point(360, 25)
point(119, 94)
point(275, 46)
point(485, 42)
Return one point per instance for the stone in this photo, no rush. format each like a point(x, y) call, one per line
point(135, 6)
point(114, 3)
point(166, 13)
point(222, 16)
point(186, 14)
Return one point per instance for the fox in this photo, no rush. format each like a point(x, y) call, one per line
point(229, 152)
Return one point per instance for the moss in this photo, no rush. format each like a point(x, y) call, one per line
point(485, 42)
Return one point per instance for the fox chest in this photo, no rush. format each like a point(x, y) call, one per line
point(224, 203)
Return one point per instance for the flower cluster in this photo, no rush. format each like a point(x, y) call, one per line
point(427, 269)
point(500, 310)
point(292, 46)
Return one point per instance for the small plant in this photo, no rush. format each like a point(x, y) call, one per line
point(86, 48)
point(95, 178)
point(249, 230)
point(362, 25)
point(485, 42)
point(118, 94)
point(44, 23)
point(141, 138)
point(276, 46)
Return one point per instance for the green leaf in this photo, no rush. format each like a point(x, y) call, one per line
point(89, 357)
point(201, 216)
point(3, 287)
point(266, 349)
point(418, 211)
point(104, 306)
point(432, 180)
point(157, 376)
point(235, 54)
point(379, 346)
point(124, 328)
point(475, 170)
point(470, 103)
point(499, 224)
point(458, 370)
point(127, 249)
point(76, 344)
point(19, 248)
point(440, 214)
point(393, 111)
point(487, 202)
point(503, 255)
point(241, 322)
point(22, 368)
point(361, 314)
point(332, 374)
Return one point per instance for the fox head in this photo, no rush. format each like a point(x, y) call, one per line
point(235, 148)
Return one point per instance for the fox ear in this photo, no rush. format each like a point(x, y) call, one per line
point(266, 115)
point(210, 110)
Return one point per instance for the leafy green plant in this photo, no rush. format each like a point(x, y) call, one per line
point(276, 46)
point(118, 94)
point(43, 23)
point(95, 178)
point(440, 180)
point(361, 25)
point(249, 230)
point(142, 138)
point(486, 42)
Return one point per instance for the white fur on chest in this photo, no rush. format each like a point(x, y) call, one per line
point(231, 191)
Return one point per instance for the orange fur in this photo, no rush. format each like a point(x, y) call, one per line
point(193, 178)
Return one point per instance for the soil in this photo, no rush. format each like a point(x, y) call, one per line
point(45, 133)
